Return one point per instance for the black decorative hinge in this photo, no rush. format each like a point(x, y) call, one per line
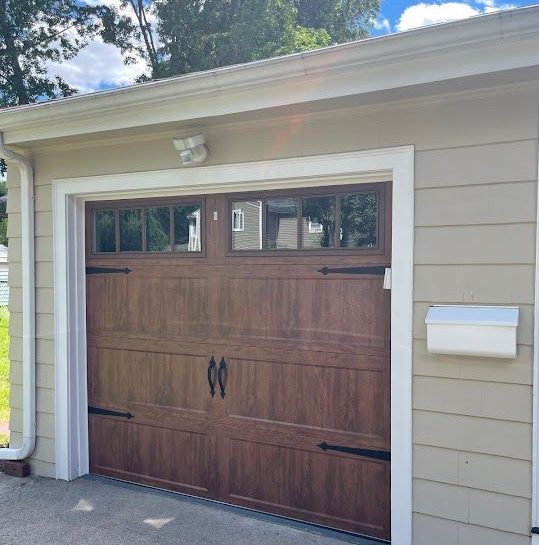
point(107, 270)
point(373, 269)
point(109, 412)
point(535, 530)
point(365, 452)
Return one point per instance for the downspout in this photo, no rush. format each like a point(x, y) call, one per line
point(28, 307)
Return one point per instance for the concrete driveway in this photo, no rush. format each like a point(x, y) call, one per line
point(40, 511)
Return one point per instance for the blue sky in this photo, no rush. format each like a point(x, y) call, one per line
point(100, 66)
point(397, 15)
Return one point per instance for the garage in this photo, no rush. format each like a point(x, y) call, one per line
point(239, 349)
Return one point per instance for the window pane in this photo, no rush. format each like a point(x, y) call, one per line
point(105, 231)
point(187, 228)
point(281, 224)
point(158, 229)
point(131, 230)
point(247, 225)
point(318, 222)
point(358, 221)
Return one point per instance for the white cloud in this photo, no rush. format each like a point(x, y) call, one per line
point(382, 24)
point(490, 6)
point(97, 66)
point(100, 65)
point(424, 14)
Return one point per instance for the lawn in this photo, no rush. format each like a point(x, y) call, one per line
point(4, 369)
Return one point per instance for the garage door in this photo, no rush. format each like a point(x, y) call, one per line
point(239, 350)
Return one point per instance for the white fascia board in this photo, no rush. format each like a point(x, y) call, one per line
point(492, 43)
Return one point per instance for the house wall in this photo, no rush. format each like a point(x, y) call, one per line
point(475, 194)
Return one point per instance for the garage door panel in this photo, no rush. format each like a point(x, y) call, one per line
point(300, 425)
point(148, 378)
point(327, 400)
point(174, 458)
point(336, 490)
point(336, 311)
point(144, 306)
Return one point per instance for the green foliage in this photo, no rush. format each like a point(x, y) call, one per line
point(158, 229)
point(3, 231)
point(4, 364)
point(204, 34)
point(343, 20)
point(359, 220)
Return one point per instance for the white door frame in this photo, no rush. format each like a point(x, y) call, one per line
point(69, 196)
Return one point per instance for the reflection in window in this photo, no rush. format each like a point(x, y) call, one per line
point(358, 221)
point(281, 224)
point(187, 228)
point(318, 222)
point(247, 225)
point(238, 220)
point(158, 229)
point(105, 231)
point(131, 230)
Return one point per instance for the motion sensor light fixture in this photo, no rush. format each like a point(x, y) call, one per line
point(193, 150)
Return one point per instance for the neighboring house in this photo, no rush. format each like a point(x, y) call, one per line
point(252, 329)
point(4, 266)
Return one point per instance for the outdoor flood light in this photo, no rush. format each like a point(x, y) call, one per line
point(192, 150)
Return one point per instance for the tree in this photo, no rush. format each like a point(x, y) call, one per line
point(204, 34)
point(344, 20)
point(35, 32)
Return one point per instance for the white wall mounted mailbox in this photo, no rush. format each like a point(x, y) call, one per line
point(468, 330)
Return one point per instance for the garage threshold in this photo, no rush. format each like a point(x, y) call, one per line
point(345, 537)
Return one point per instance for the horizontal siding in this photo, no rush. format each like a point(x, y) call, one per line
point(476, 205)
point(478, 507)
point(465, 166)
point(475, 244)
point(429, 530)
point(473, 398)
point(492, 284)
point(479, 471)
point(474, 434)
point(466, 122)
point(515, 371)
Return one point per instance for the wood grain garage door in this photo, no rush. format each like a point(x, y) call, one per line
point(272, 302)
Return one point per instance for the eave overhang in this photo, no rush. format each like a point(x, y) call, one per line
point(488, 44)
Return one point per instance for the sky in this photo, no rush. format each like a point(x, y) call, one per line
point(99, 66)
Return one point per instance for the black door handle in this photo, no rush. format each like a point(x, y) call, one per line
point(220, 373)
point(211, 375)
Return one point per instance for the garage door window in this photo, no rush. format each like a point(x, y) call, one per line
point(166, 229)
point(340, 221)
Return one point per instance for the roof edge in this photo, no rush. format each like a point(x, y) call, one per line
point(509, 26)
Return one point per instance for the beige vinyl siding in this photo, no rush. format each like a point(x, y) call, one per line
point(476, 194)
point(475, 243)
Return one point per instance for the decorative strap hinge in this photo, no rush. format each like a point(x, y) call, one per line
point(384, 455)
point(109, 412)
point(107, 270)
point(379, 270)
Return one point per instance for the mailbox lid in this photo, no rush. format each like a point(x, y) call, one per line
point(473, 315)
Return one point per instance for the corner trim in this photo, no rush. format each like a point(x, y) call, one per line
point(535, 402)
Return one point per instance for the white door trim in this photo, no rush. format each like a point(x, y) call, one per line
point(69, 196)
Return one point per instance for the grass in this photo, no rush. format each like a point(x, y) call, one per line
point(4, 370)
